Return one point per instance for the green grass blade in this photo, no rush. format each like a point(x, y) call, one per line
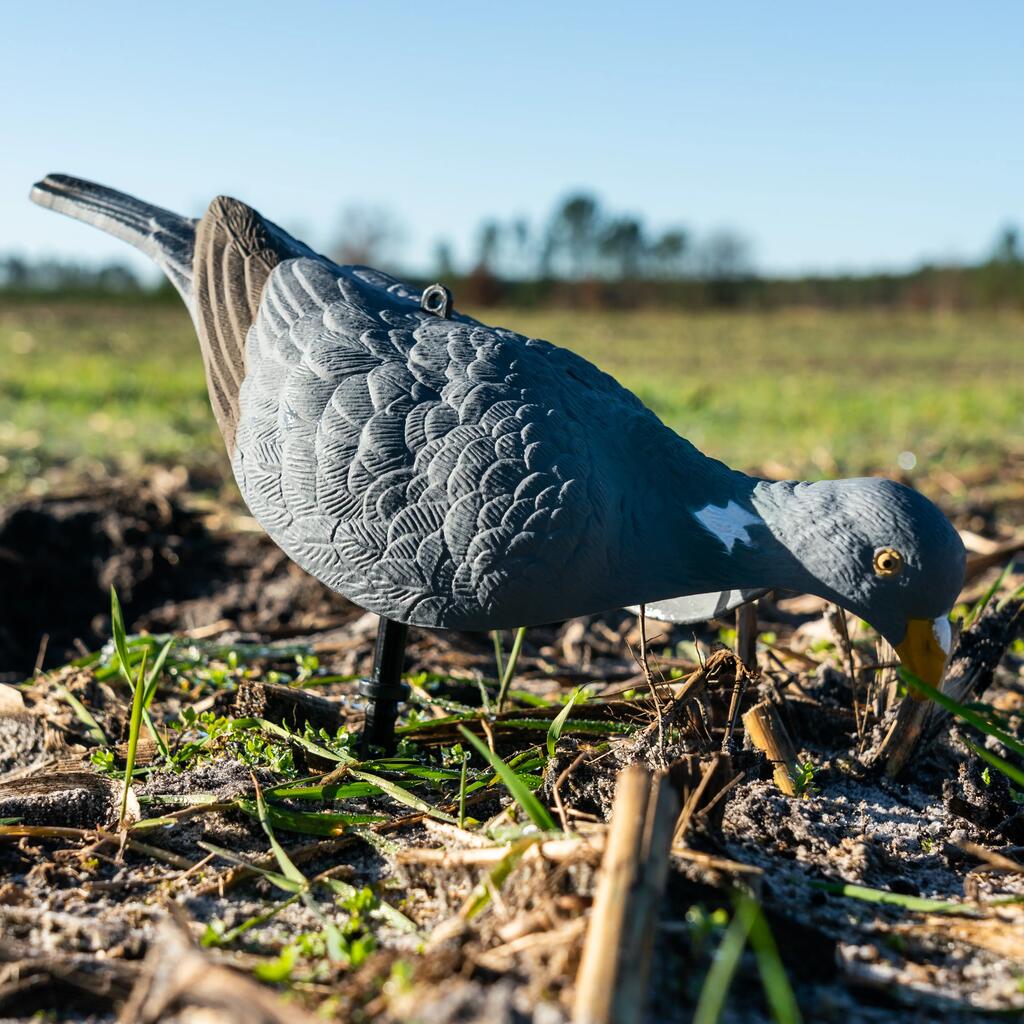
point(120, 638)
point(288, 868)
point(716, 985)
point(496, 877)
point(155, 672)
point(320, 823)
point(403, 766)
point(919, 904)
point(558, 723)
point(279, 732)
point(510, 667)
point(148, 824)
point(383, 910)
point(1011, 771)
point(1016, 595)
point(84, 715)
point(521, 793)
point(402, 795)
point(982, 602)
point(777, 988)
point(462, 791)
point(330, 791)
point(499, 654)
point(134, 728)
point(969, 715)
point(212, 939)
point(274, 877)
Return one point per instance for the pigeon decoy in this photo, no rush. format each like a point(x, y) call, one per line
point(447, 474)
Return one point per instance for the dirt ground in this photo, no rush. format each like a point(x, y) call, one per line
point(890, 881)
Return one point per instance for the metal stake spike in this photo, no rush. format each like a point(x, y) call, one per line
point(384, 690)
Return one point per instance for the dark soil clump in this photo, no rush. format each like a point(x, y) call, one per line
point(175, 567)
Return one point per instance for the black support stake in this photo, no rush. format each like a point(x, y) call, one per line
point(384, 690)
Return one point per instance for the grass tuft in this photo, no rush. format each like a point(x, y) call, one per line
point(510, 667)
point(558, 723)
point(748, 924)
point(521, 793)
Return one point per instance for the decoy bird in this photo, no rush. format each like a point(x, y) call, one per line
point(447, 474)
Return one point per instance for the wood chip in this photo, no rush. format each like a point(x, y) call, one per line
point(768, 734)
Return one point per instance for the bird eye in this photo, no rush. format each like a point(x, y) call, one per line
point(888, 562)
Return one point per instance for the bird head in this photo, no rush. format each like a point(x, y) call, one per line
point(882, 551)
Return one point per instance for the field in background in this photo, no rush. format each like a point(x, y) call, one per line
point(812, 393)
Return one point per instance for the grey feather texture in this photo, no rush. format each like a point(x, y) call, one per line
point(444, 473)
point(436, 471)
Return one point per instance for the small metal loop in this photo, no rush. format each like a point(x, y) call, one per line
point(437, 299)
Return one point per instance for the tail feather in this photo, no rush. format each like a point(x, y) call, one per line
point(167, 238)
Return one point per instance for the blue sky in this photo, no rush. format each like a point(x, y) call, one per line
point(833, 135)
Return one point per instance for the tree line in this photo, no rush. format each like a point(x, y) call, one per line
point(587, 255)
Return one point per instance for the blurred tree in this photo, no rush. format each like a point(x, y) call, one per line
point(520, 249)
point(488, 246)
point(1000, 281)
point(572, 237)
point(725, 256)
point(117, 277)
point(725, 262)
point(368, 235)
point(19, 274)
point(14, 272)
point(444, 262)
point(623, 246)
point(1007, 247)
point(669, 252)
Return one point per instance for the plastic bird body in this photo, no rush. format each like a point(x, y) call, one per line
point(447, 474)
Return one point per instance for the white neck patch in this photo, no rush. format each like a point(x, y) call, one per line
point(729, 523)
point(943, 634)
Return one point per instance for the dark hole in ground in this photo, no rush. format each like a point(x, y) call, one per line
point(59, 557)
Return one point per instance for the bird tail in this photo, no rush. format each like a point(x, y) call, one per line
point(165, 237)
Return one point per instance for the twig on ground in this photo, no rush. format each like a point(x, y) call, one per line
point(612, 981)
point(768, 734)
point(746, 665)
point(649, 676)
point(44, 642)
point(746, 635)
point(177, 978)
point(715, 776)
point(556, 792)
point(991, 857)
point(555, 850)
point(838, 619)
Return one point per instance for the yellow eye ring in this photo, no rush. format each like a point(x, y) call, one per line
point(888, 562)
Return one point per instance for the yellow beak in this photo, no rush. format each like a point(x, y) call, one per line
point(925, 650)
